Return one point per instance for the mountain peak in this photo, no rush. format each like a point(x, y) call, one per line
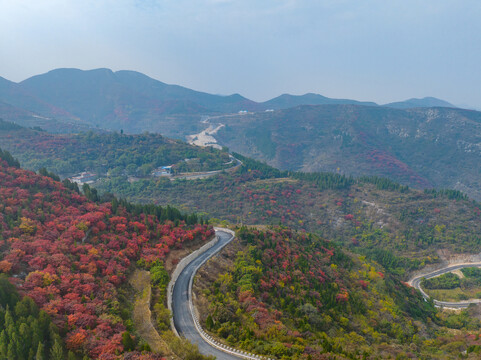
point(428, 101)
point(285, 101)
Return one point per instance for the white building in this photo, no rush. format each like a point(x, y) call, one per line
point(84, 178)
point(163, 171)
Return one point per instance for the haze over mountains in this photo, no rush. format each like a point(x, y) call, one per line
point(415, 103)
point(422, 147)
point(134, 102)
point(372, 233)
point(418, 142)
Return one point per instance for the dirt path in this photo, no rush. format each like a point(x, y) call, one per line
point(142, 316)
point(205, 137)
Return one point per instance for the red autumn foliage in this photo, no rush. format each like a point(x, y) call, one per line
point(70, 255)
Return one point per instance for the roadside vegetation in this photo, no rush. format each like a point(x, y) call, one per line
point(452, 287)
point(402, 228)
point(293, 295)
point(71, 254)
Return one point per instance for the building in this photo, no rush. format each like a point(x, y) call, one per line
point(84, 178)
point(163, 171)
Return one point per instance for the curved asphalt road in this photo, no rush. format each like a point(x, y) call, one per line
point(416, 283)
point(180, 302)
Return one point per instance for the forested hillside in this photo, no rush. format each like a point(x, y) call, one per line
point(113, 153)
point(293, 295)
point(73, 256)
point(402, 228)
point(423, 148)
point(336, 247)
point(70, 100)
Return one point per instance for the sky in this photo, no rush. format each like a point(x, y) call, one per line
point(371, 50)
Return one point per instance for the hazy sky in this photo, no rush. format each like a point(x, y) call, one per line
point(379, 50)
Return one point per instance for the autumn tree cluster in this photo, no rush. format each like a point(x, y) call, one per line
point(294, 295)
point(72, 256)
point(117, 154)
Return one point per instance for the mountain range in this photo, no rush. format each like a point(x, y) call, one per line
point(418, 142)
point(100, 267)
point(65, 100)
point(421, 147)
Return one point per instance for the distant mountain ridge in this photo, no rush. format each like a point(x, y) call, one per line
point(420, 147)
point(419, 103)
point(286, 101)
point(132, 101)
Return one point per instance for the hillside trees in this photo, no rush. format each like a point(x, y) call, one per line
point(117, 154)
point(71, 256)
point(287, 289)
point(25, 331)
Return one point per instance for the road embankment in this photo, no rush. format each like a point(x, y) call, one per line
point(416, 283)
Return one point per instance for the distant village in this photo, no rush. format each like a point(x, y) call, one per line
point(84, 178)
point(87, 177)
point(163, 171)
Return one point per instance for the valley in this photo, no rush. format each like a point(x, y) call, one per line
point(251, 180)
point(422, 143)
point(383, 229)
point(335, 205)
point(422, 148)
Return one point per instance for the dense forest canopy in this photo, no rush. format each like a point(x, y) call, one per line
point(71, 257)
point(69, 250)
point(113, 153)
point(293, 295)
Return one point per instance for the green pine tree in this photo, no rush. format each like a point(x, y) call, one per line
point(127, 341)
point(209, 323)
point(40, 352)
point(3, 345)
point(56, 353)
point(11, 353)
point(37, 335)
point(9, 322)
point(24, 342)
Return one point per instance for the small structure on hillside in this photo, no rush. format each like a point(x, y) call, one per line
point(163, 171)
point(84, 178)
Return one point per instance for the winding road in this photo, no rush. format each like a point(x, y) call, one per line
point(183, 319)
point(206, 174)
point(416, 283)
